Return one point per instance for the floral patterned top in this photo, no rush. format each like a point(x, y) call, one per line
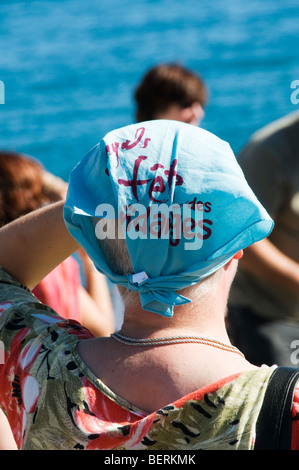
point(54, 402)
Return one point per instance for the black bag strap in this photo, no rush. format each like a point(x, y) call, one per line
point(274, 424)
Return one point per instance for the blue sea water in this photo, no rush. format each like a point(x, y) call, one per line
point(70, 67)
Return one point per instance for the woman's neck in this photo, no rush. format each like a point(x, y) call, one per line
point(196, 318)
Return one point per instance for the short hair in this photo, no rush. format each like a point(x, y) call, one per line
point(164, 85)
point(114, 248)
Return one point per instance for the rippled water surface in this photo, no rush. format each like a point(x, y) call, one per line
point(70, 67)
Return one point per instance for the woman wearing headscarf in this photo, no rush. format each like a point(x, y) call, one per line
point(163, 210)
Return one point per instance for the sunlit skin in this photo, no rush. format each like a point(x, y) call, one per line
point(194, 114)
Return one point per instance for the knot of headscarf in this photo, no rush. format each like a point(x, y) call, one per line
point(153, 297)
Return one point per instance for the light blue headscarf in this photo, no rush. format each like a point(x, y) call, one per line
point(160, 164)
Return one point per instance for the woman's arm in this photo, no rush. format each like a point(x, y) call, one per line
point(265, 261)
point(33, 245)
point(99, 321)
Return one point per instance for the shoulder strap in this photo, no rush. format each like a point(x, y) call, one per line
point(274, 423)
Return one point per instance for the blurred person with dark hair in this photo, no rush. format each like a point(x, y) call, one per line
point(170, 91)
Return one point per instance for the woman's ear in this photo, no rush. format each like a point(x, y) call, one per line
point(237, 256)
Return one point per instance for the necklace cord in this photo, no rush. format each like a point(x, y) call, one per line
point(174, 340)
